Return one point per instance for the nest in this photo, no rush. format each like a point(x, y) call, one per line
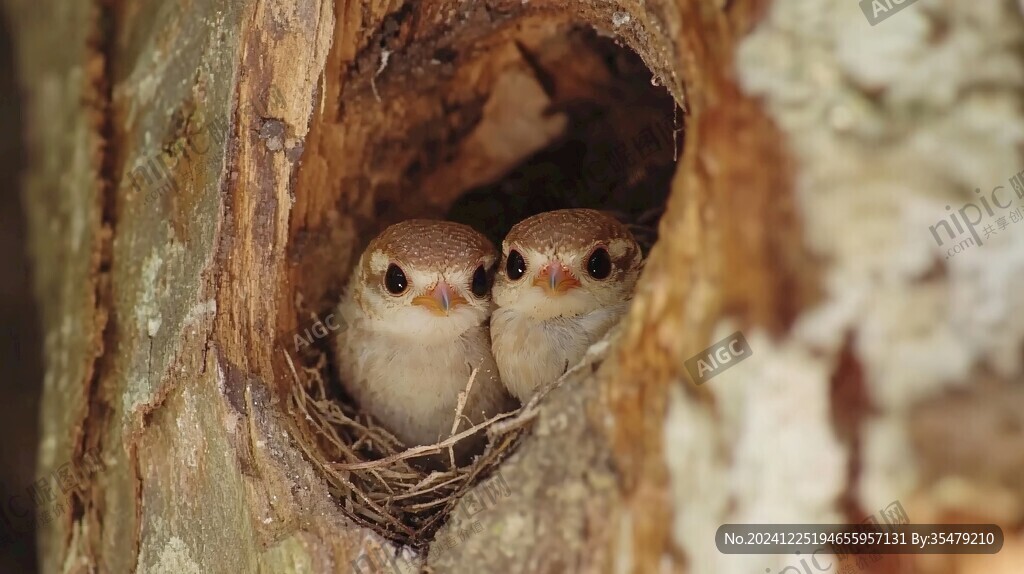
point(372, 475)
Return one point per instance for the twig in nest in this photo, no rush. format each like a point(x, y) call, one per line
point(424, 449)
point(418, 490)
point(463, 396)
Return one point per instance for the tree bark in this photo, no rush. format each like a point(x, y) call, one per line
point(201, 176)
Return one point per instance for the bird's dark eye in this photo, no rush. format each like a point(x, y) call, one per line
point(480, 282)
point(515, 266)
point(395, 281)
point(599, 266)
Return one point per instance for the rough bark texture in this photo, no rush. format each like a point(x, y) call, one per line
point(819, 150)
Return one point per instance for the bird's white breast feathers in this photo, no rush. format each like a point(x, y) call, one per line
point(410, 381)
point(531, 353)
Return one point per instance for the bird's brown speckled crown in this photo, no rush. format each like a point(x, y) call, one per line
point(573, 229)
point(431, 243)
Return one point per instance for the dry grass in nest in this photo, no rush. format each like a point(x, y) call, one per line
point(371, 473)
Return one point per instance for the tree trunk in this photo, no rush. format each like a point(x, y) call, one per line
point(201, 178)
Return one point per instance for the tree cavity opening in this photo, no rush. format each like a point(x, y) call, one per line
point(483, 119)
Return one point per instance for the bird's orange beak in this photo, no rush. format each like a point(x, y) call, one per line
point(556, 279)
point(441, 299)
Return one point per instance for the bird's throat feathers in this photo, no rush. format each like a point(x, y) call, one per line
point(538, 305)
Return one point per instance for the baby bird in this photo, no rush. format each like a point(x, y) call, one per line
point(415, 326)
point(567, 277)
